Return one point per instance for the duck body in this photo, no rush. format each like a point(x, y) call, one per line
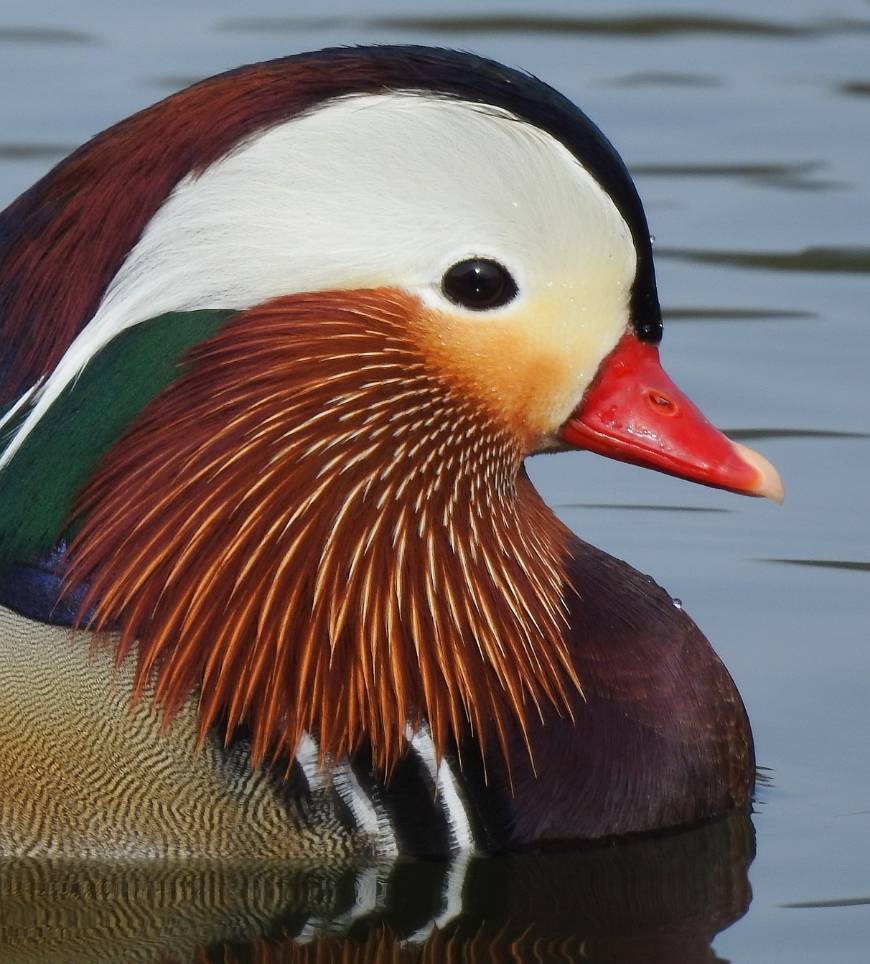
point(659, 738)
point(273, 579)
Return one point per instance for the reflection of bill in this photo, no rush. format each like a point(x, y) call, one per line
point(661, 899)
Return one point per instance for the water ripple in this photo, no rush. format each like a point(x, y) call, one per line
point(839, 902)
point(652, 25)
point(764, 776)
point(175, 81)
point(34, 152)
point(852, 566)
point(792, 176)
point(654, 78)
point(637, 26)
point(754, 434)
point(639, 507)
point(839, 260)
point(45, 35)
point(736, 314)
point(856, 88)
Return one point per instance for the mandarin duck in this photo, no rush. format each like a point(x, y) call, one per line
point(274, 581)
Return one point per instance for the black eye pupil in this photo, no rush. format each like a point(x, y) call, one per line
point(478, 284)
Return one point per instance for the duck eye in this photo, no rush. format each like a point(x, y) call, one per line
point(478, 284)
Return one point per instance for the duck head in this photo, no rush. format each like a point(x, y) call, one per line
point(292, 333)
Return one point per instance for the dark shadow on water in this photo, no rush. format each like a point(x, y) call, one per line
point(833, 260)
point(799, 176)
point(824, 564)
point(660, 900)
point(652, 25)
point(736, 314)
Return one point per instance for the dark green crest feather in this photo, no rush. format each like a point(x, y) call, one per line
point(39, 485)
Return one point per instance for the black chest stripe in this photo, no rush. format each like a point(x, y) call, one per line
point(410, 801)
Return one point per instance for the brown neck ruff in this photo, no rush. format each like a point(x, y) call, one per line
point(320, 527)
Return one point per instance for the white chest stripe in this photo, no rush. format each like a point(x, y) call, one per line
point(370, 815)
point(461, 836)
point(307, 757)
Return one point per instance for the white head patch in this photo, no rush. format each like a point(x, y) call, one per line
point(379, 190)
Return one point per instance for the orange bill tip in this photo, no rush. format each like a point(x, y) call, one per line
point(633, 412)
point(769, 484)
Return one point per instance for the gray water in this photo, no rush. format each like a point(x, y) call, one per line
point(748, 129)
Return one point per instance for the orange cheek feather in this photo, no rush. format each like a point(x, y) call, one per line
point(504, 370)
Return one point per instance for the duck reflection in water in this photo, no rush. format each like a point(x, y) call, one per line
point(658, 899)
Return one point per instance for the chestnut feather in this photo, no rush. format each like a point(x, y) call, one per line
point(318, 527)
